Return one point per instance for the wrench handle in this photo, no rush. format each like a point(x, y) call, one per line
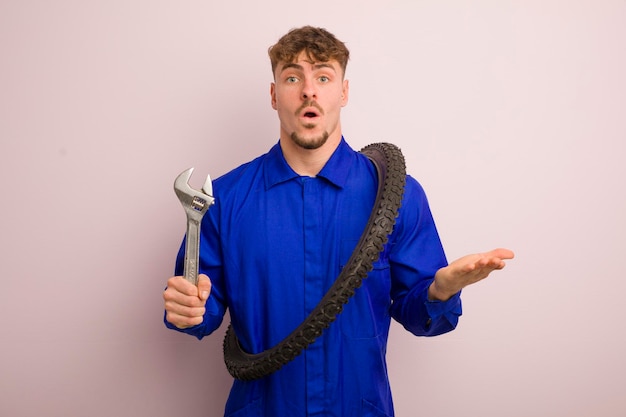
point(192, 250)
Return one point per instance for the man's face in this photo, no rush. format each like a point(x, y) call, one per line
point(308, 97)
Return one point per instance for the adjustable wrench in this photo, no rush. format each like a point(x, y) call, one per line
point(196, 203)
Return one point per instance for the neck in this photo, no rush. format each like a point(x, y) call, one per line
point(308, 162)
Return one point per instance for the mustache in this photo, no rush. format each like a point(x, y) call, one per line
point(309, 103)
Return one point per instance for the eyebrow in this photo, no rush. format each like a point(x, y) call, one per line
point(301, 68)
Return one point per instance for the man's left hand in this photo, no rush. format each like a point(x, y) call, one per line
point(466, 271)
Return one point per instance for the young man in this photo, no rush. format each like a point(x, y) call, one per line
point(282, 228)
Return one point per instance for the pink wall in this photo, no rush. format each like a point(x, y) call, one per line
point(511, 114)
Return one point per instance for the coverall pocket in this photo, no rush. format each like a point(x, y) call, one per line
point(251, 410)
point(370, 410)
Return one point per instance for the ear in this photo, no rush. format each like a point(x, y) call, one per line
point(345, 90)
point(273, 95)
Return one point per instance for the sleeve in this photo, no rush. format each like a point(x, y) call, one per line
point(415, 256)
point(211, 265)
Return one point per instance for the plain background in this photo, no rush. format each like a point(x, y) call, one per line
point(512, 115)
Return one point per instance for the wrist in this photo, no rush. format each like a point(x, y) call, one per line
point(436, 293)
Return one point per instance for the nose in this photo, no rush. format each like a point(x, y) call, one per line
point(308, 90)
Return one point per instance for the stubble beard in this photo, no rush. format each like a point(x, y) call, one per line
point(311, 143)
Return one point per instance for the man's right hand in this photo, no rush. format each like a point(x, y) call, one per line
point(184, 302)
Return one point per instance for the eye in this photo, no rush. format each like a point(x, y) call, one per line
point(291, 79)
point(324, 79)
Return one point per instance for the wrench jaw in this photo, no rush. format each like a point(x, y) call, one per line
point(208, 186)
point(182, 182)
point(196, 204)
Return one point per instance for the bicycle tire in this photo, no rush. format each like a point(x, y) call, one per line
point(391, 169)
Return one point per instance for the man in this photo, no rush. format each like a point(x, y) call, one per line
point(281, 229)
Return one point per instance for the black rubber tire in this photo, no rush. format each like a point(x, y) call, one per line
point(390, 165)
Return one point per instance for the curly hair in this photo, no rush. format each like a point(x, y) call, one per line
point(319, 45)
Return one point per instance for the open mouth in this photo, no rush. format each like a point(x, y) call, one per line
point(310, 110)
